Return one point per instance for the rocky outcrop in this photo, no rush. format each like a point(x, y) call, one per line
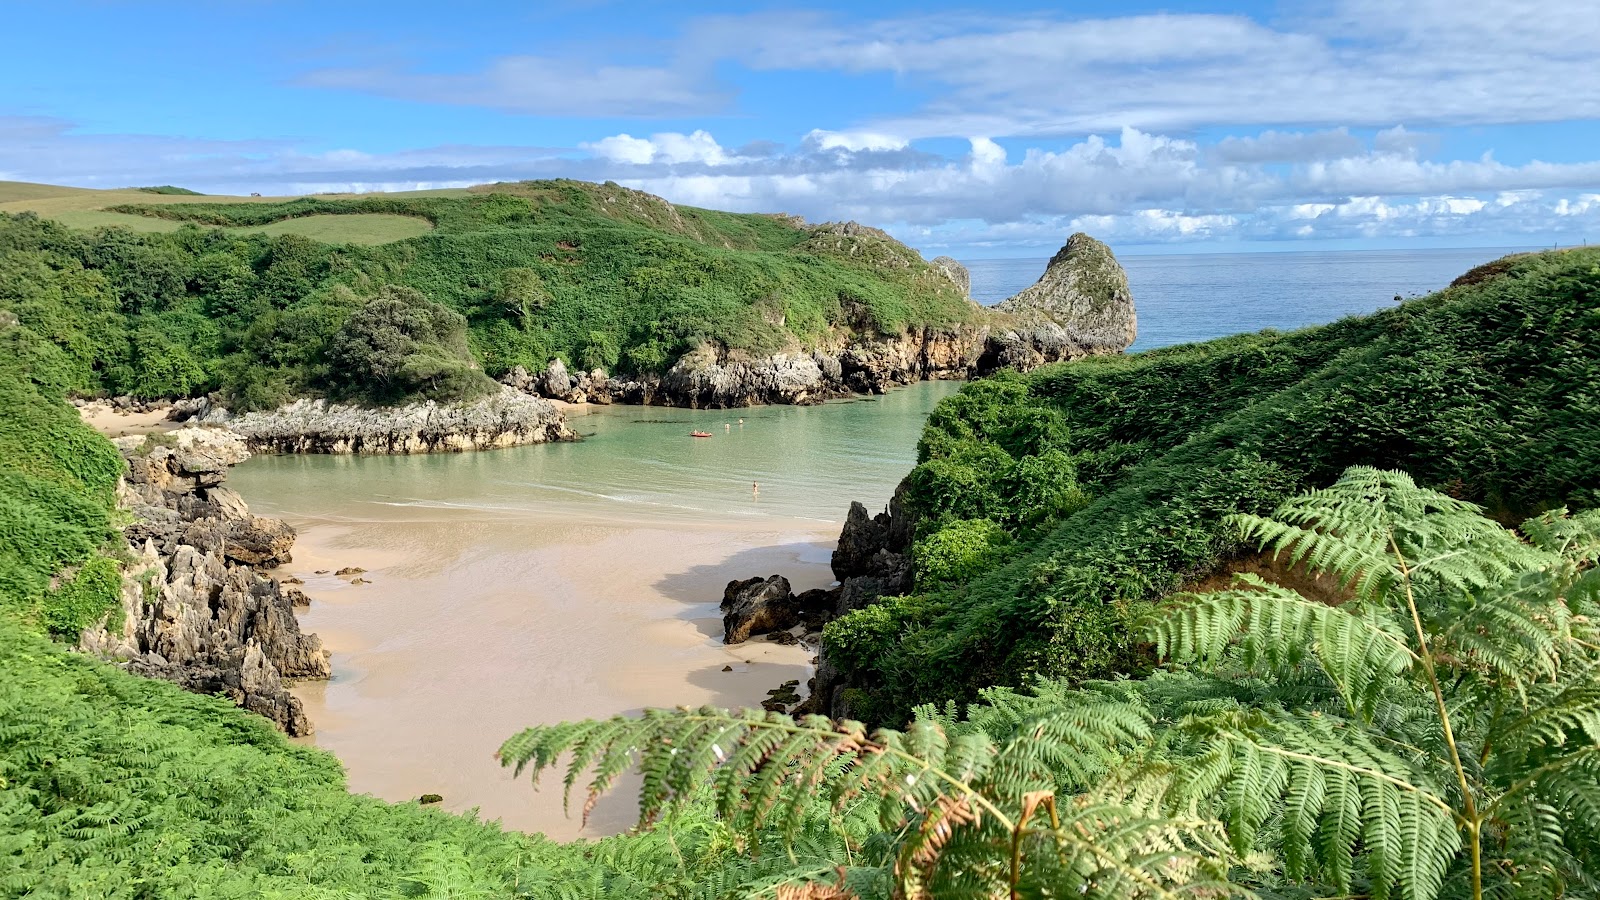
point(757, 606)
point(1081, 306)
point(713, 377)
point(503, 419)
point(956, 272)
point(872, 561)
point(198, 609)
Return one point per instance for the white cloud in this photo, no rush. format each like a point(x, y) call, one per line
point(669, 148)
point(853, 141)
point(1133, 185)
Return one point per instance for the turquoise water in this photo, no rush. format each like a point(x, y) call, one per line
point(635, 463)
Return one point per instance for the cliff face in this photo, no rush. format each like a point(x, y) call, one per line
point(1080, 306)
point(198, 607)
point(504, 419)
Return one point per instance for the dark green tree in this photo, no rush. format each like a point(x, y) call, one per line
point(400, 344)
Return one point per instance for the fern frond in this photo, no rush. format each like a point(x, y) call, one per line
point(1337, 791)
point(1273, 629)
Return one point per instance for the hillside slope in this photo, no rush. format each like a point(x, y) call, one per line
point(254, 297)
point(598, 275)
point(1048, 511)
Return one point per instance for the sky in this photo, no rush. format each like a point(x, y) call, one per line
point(989, 129)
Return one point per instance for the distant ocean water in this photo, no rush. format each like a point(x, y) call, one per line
point(1202, 296)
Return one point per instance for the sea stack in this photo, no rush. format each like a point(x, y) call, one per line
point(1081, 306)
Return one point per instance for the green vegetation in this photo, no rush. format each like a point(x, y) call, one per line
point(1179, 629)
point(1435, 734)
point(57, 480)
point(246, 297)
point(1487, 391)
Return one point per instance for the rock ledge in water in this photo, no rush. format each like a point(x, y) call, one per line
point(503, 419)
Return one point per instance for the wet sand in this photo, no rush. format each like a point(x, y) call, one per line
point(477, 625)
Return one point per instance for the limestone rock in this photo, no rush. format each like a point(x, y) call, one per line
point(757, 606)
point(863, 535)
point(1080, 306)
point(503, 419)
point(555, 382)
point(956, 272)
point(197, 609)
point(710, 377)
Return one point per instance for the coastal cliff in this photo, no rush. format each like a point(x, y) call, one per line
point(198, 607)
point(1081, 306)
point(503, 419)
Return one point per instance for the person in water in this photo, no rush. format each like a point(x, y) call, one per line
point(754, 489)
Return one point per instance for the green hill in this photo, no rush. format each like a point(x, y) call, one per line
point(1090, 490)
point(191, 294)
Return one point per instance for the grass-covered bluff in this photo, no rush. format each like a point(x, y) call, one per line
point(500, 276)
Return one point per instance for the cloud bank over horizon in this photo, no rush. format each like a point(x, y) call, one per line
point(1350, 121)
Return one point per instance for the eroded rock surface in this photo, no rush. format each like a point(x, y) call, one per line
point(1081, 306)
point(757, 606)
point(198, 608)
point(503, 419)
point(956, 272)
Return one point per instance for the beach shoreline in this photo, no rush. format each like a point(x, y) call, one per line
point(440, 657)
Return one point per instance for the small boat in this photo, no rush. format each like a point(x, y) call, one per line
point(699, 434)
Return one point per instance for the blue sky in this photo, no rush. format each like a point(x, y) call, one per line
point(989, 129)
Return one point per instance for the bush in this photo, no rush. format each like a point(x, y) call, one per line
point(398, 345)
point(959, 550)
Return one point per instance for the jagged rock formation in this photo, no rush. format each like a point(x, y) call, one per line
point(956, 272)
point(197, 608)
point(1080, 306)
point(757, 606)
point(713, 377)
point(503, 419)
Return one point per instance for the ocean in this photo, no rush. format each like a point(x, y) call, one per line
point(1181, 299)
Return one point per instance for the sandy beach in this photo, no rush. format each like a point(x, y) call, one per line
point(118, 423)
point(472, 629)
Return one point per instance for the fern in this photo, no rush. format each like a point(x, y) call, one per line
point(970, 816)
point(1456, 745)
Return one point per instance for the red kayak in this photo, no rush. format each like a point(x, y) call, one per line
point(699, 434)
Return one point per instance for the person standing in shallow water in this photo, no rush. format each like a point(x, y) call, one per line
point(755, 489)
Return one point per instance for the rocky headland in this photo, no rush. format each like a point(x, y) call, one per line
point(1081, 306)
point(506, 418)
point(199, 605)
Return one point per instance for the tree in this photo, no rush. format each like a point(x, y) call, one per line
point(400, 344)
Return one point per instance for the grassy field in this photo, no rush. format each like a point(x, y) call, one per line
point(87, 208)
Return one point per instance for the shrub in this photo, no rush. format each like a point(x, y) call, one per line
point(400, 344)
point(959, 550)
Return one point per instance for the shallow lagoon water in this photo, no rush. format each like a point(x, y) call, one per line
point(543, 583)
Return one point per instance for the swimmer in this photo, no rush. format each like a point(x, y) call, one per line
point(754, 489)
point(741, 423)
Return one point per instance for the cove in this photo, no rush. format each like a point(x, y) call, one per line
point(550, 582)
